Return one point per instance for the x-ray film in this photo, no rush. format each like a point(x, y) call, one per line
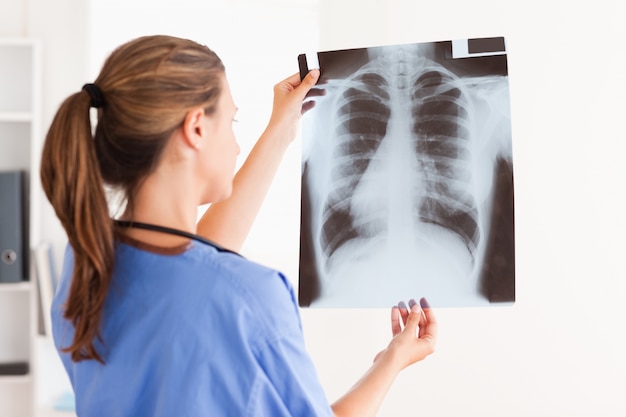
point(407, 177)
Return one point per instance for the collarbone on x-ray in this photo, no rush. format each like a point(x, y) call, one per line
point(400, 176)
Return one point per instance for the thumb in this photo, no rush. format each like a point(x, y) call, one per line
point(308, 82)
point(413, 321)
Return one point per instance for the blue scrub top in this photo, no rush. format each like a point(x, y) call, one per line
point(196, 332)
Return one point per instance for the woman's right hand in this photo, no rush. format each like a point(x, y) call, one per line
point(414, 331)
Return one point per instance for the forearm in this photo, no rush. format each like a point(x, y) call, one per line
point(366, 396)
point(228, 222)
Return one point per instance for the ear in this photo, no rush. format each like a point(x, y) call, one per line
point(194, 128)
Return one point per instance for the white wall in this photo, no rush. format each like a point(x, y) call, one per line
point(12, 18)
point(559, 350)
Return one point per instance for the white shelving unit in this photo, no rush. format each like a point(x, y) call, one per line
point(20, 145)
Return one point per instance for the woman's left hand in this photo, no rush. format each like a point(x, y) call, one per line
point(414, 332)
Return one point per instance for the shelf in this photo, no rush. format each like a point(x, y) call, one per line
point(15, 379)
point(16, 116)
point(16, 41)
point(6, 287)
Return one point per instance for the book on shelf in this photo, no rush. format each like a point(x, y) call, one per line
point(43, 260)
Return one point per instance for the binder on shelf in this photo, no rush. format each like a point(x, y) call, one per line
point(12, 227)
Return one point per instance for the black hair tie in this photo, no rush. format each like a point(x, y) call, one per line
point(95, 94)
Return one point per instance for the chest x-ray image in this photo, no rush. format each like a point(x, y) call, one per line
point(407, 177)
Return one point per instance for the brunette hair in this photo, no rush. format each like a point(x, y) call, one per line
point(146, 87)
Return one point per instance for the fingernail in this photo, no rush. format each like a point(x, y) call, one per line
point(412, 303)
point(402, 305)
point(424, 303)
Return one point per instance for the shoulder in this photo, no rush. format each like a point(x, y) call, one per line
point(261, 282)
point(267, 292)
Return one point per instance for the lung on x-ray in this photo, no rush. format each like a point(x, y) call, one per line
point(407, 177)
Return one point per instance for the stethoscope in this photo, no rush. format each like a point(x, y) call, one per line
point(171, 231)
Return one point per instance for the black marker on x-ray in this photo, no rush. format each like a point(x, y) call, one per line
point(473, 48)
point(307, 62)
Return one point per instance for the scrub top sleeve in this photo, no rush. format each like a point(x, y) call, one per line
point(288, 383)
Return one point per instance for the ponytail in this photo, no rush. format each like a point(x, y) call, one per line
point(72, 181)
point(144, 90)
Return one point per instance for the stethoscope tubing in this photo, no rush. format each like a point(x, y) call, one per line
point(171, 231)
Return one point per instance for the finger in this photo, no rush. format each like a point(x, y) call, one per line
point(429, 315)
point(307, 105)
point(422, 317)
point(430, 327)
point(412, 302)
point(404, 312)
point(396, 328)
point(316, 92)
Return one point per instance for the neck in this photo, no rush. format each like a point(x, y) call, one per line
point(162, 201)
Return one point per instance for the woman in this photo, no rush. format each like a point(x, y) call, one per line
point(150, 319)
